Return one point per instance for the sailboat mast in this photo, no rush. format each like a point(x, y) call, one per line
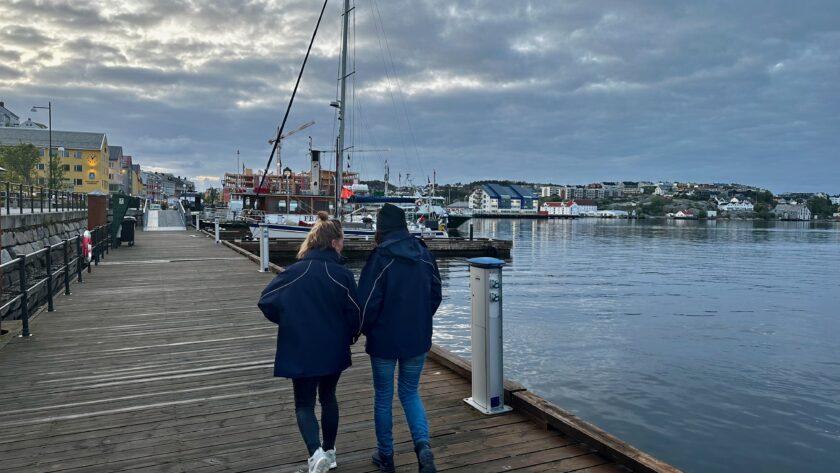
point(339, 149)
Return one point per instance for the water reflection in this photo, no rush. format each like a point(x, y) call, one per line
point(709, 344)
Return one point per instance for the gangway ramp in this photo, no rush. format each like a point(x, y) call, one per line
point(165, 220)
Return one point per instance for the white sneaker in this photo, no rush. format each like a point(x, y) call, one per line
point(331, 458)
point(318, 462)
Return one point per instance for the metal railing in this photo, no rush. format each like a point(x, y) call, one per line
point(57, 262)
point(20, 198)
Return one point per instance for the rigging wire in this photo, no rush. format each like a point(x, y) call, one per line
point(289, 107)
point(396, 79)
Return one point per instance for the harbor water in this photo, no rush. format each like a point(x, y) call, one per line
point(711, 345)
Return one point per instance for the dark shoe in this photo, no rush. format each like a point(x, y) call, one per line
point(425, 458)
point(385, 463)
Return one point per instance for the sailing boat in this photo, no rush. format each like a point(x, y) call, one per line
point(287, 207)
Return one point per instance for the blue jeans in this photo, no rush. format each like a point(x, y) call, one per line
point(407, 388)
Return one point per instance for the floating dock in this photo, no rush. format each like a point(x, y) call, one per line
point(161, 362)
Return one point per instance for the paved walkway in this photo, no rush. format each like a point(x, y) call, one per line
point(161, 362)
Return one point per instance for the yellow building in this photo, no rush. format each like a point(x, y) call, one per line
point(83, 156)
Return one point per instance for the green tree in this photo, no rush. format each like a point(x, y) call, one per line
point(211, 196)
point(19, 161)
point(821, 207)
point(656, 205)
point(55, 179)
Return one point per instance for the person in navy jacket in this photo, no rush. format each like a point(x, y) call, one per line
point(399, 291)
point(313, 303)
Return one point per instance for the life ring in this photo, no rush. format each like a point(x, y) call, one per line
point(87, 247)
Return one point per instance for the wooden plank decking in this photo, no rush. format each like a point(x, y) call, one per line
point(161, 362)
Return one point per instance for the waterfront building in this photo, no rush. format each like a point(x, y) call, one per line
point(835, 199)
point(571, 208)
point(116, 183)
point(499, 199)
point(687, 214)
point(792, 212)
point(136, 182)
point(152, 185)
point(82, 156)
point(612, 214)
point(552, 208)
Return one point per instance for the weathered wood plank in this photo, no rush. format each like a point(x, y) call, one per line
point(160, 361)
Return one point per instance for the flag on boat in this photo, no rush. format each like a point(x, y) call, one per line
point(346, 192)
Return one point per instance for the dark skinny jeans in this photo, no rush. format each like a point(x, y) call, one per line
point(305, 389)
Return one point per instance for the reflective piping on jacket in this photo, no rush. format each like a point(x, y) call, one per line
point(290, 282)
point(348, 294)
point(433, 267)
point(373, 289)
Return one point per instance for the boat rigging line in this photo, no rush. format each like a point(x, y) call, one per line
point(289, 107)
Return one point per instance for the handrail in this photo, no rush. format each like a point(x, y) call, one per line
point(25, 196)
point(100, 246)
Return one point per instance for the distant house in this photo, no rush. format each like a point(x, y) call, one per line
point(792, 212)
point(552, 208)
point(735, 205)
point(685, 214)
point(499, 199)
point(571, 208)
point(835, 199)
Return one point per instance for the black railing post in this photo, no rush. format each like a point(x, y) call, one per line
point(62, 201)
point(20, 197)
point(41, 198)
point(8, 196)
point(24, 300)
point(107, 239)
point(31, 199)
point(95, 243)
point(50, 305)
point(65, 246)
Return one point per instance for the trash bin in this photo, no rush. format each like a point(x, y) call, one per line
point(127, 230)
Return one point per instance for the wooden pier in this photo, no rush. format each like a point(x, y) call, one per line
point(161, 362)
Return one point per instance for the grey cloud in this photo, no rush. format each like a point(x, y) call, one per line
point(25, 36)
point(8, 73)
point(708, 90)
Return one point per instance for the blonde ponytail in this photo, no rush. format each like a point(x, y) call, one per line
point(321, 235)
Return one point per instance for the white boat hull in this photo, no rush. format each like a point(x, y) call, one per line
point(279, 231)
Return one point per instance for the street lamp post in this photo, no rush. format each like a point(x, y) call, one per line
point(49, 153)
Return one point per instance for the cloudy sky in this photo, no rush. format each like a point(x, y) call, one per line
point(561, 91)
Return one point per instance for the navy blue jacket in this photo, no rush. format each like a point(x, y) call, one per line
point(313, 303)
point(399, 292)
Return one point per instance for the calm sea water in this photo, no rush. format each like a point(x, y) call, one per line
point(712, 345)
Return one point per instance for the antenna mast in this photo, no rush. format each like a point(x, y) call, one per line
point(339, 149)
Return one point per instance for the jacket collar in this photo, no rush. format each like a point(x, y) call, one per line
point(325, 254)
point(396, 235)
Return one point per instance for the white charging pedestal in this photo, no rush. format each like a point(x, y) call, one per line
point(488, 390)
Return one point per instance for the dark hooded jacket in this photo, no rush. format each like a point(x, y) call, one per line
point(313, 303)
point(399, 292)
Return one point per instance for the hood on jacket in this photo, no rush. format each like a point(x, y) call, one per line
point(402, 244)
